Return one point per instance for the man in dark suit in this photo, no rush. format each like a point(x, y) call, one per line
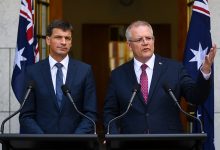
point(47, 110)
point(152, 110)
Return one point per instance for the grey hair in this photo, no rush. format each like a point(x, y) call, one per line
point(136, 24)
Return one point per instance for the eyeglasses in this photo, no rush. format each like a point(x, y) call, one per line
point(142, 39)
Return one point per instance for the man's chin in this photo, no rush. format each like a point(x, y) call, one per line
point(63, 54)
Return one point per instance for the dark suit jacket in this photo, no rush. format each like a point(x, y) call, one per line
point(41, 113)
point(160, 114)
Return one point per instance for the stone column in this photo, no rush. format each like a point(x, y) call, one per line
point(9, 14)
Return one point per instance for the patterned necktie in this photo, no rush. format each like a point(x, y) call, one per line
point(59, 83)
point(144, 82)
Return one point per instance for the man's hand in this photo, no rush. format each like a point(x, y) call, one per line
point(209, 59)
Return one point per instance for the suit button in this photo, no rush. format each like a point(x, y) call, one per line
point(147, 114)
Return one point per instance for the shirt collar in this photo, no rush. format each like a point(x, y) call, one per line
point(64, 62)
point(149, 63)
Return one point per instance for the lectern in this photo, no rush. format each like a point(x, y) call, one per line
point(155, 141)
point(49, 141)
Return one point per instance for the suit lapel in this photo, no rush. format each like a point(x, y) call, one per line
point(71, 74)
point(159, 67)
point(48, 79)
point(132, 77)
point(131, 73)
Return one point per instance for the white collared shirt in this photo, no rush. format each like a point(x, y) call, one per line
point(53, 69)
point(149, 69)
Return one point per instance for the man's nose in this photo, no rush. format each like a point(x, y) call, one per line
point(63, 40)
point(144, 41)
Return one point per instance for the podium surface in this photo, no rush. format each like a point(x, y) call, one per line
point(49, 141)
point(155, 141)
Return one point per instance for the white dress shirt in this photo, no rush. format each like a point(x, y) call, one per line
point(149, 69)
point(53, 69)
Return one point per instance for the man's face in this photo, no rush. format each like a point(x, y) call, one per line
point(60, 43)
point(141, 43)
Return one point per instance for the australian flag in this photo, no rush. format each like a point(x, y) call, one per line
point(26, 49)
point(198, 44)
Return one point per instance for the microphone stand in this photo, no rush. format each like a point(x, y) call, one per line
point(66, 92)
point(9, 117)
point(129, 105)
point(30, 87)
point(174, 98)
point(69, 96)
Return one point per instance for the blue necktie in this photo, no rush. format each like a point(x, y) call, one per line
point(59, 83)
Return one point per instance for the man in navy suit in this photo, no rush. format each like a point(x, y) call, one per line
point(46, 113)
point(152, 110)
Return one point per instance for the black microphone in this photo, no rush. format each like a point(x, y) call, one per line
point(66, 92)
point(29, 89)
point(135, 90)
point(170, 92)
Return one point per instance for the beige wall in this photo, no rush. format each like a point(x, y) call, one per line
point(111, 11)
point(9, 13)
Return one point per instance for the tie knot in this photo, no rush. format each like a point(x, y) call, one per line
point(143, 67)
point(59, 65)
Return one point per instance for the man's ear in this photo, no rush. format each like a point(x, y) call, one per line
point(48, 40)
point(129, 45)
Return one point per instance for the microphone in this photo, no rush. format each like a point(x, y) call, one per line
point(66, 92)
point(170, 92)
point(29, 89)
point(135, 90)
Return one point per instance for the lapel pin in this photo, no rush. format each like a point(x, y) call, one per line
point(160, 63)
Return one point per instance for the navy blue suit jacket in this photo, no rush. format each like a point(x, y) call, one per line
point(160, 114)
point(41, 113)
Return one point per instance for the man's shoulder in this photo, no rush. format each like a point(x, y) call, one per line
point(38, 64)
point(124, 67)
point(73, 61)
point(167, 61)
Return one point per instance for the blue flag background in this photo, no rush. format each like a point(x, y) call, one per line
point(198, 44)
point(27, 47)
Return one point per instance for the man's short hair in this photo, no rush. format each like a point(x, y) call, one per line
point(136, 24)
point(60, 24)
